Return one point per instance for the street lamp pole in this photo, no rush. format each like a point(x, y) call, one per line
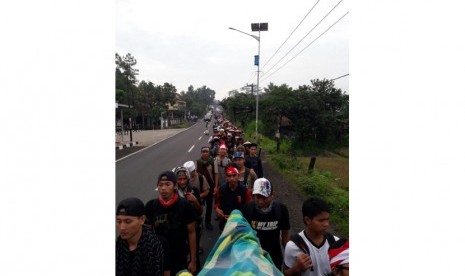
point(256, 27)
point(258, 90)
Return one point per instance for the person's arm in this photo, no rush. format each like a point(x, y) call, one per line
point(216, 182)
point(295, 261)
point(192, 267)
point(218, 210)
point(284, 225)
point(192, 199)
point(285, 237)
point(206, 188)
point(216, 178)
point(251, 179)
point(260, 168)
point(248, 196)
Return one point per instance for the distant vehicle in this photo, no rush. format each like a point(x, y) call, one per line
point(208, 117)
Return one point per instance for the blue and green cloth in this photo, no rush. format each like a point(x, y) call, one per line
point(238, 252)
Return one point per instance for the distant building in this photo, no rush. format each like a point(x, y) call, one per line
point(179, 105)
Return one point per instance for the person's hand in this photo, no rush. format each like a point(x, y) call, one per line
point(215, 190)
point(219, 213)
point(303, 262)
point(192, 267)
point(190, 197)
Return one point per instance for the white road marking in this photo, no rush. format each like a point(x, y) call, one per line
point(200, 138)
point(191, 148)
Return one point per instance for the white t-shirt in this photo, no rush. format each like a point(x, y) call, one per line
point(319, 256)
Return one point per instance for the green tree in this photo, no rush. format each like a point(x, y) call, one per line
point(322, 112)
point(125, 70)
point(239, 107)
point(279, 102)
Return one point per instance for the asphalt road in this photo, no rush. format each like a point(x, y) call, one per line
point(136, 174)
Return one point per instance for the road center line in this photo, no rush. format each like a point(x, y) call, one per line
point(200, 138)
point(191, 148)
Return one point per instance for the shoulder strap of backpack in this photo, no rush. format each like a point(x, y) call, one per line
point(299, 241)
point(330, 238)
point(277, 210)
point(200, 182)
point(246, 176)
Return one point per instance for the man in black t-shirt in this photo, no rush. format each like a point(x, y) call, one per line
point(174, 218)
point(269, 218)
point(186, 190)
point(230, 196)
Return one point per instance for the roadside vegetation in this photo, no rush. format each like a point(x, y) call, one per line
point(296, 125)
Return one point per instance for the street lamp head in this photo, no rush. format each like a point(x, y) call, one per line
point(256, 27)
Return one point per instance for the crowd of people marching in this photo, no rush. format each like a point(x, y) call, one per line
point(162, 237)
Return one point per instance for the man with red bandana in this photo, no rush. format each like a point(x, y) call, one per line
point(174, 217)
point(230, 196)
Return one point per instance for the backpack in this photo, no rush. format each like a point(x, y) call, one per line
point(202, 202)
point(246, 176)
point(299, 241)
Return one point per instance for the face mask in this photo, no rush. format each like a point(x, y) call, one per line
point(264, 210)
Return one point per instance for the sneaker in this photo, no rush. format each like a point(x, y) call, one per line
point(208, 226)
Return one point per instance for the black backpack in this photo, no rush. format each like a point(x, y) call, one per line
point(299, 241)
point(246, 176)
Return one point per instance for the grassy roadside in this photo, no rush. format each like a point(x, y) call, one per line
point(329, 179)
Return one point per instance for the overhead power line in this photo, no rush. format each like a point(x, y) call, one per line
point(339, 77)
point(290, 34)
point(307, 45)
point(304, 36)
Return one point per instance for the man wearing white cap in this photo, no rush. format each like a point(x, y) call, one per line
point(198, 180)
point(269, 218)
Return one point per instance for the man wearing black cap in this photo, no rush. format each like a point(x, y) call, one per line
point(254, 160)
point(174, 218)
point(138, 249)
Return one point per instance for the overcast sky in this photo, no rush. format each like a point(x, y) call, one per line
point(188, 42)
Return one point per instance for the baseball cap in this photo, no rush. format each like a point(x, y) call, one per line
point(190, 166)
point(205, 148)
point(262, 186)
point(131, 207)
point(170, 176)
point(182, 171)
point(231, 170)
point(238, 154)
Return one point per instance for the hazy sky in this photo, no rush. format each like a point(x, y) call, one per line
point(188, 42)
